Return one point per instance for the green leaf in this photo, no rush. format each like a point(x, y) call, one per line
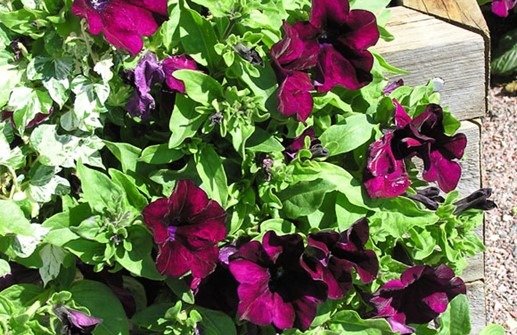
point(126, 153)
point(211, 171)
point(52, 258)
point(184, 121)
point(340, 138)
point(200, 87)
point(102, 303)
point(149, 318)
point(135, 198)
point(27, 103)
point(44, 183)
point(14, 157)
point(21, 21)
point(492, 329)
point(11, 76)
point(160, 154)
point(261, 141)
point(505, 56)
point(12, 220)
point(218, 8)
point(5, 268)
point(45, 68)
point(349, 322)
point(98, 190)
point(138, 260)
point(304, 197)
point(180, 289)
point(216, 323)
point(198, 38)
point(456, 319)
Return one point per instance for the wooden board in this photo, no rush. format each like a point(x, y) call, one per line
point(464, 12)
point(430, 48)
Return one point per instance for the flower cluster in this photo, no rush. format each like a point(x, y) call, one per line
point(150, 71)
point(424, 137)
point(334, 42)
point(123, 22)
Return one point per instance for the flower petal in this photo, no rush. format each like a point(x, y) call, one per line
point(171, 64)
point(326, 13)
point(295, 97)
point(446, 173)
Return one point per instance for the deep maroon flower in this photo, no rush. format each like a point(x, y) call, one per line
point(75, 322)
point(430, 197)
point(187, 227)
point(421, 294)
point(219, 289)
point(273, 286)
point(147, 73)
point(503, 7)
point(330, 257)
point(477, 200)
point(424, 136)
point(171, 64)
point(344, 36)
point(123, 22)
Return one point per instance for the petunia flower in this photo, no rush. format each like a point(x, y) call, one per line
point(421, 294)
point(477, 200)
point(316, 149)
point(123, 22)
point(150, 71)
point(187, 227)
point(392, 86)
point(171, 64)
point(424, 137)
point(430, 197)
point(344, 36)
point(147, 73)
point(75, 322)
point(503, 7)
point(218, 290)
point(273, 286)
point(330, 257)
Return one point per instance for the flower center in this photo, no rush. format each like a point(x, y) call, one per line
point(99, 5)
point(171, 230)
point(275, 278)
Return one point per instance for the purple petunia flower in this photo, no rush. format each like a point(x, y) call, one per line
point(187, 227)
point(477, 200)
point(273, 286)
point(430, 197)
point(503, 7)
point(330, 257)
point(421, 294)
point(123, 22)
point(150, 71)
point(424, 136)
point(75, 322)
point(147, 72)
point(392, 86)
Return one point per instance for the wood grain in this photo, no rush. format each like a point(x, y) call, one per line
point(428, 48)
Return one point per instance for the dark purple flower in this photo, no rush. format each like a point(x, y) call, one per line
point(393, 86)
point(38, 118)
point(502, 7)
point(477, 200)
point(330, 257)
point(273, 286)
point(429, 196)
point(187, 227)
point(424, 136)
point(298, 143)
point(219, 289)
point(421, 294)
point(123, 22)
point(148, 72)
point(75, 322)
point(171, 64)
point(344, 36)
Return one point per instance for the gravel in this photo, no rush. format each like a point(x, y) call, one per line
point(499, 153)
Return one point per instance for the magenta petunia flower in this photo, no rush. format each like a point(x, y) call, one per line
point(187, 227)
point(316, 149)
point(173, 63)
point(147, 73)
point(273, 286)
point(503, 7)
point(123, 22)
point(330, 257)
point(75, 322)
point(421, 294)
point(424, 136)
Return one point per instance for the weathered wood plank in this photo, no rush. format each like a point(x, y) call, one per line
point(464, 12)
point(470, 163)
point(476, 296)
point(430, 48)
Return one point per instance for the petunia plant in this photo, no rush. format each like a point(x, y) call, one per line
point(224, 168)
